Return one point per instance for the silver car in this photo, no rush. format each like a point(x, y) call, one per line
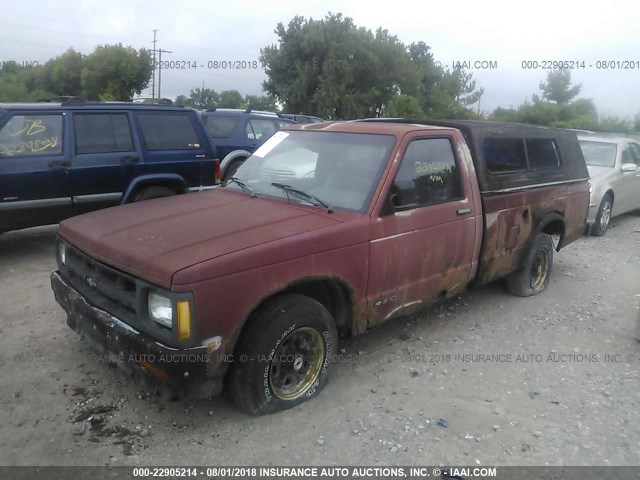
point(614, 168)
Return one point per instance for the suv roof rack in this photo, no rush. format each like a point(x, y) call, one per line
point(63, 99)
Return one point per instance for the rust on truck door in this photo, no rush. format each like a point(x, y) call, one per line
point(423, 248)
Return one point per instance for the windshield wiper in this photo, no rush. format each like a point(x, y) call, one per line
point(243, 185)
point(302, 194)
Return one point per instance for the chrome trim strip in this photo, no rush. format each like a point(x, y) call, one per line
point(97, 197)
point(39, 203)
point(528, 187)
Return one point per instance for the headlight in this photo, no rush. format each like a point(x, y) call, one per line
point(590, 187)
point(160, 309)
point(62, 253)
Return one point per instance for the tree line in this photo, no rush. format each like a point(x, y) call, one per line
point(329, 68)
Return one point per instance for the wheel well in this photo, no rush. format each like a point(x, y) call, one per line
point(610, 193)
point(176, 186)
point(331, 293)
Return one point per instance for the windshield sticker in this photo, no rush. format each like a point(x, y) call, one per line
point(270, 144)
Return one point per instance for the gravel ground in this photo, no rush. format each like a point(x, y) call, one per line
point(487, 379)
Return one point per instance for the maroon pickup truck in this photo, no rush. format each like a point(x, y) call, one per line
point(325, 231)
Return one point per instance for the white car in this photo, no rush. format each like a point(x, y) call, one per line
point(614, 168)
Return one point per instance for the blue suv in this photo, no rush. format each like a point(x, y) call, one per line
point(237, 133)
point(70, 157)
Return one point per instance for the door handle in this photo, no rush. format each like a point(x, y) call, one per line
point(463, 211)
point(59, 163)
point(129, 160)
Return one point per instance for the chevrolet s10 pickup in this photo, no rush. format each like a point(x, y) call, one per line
point(325, 231)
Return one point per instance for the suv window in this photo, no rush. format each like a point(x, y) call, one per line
point(168, 131)
point(102, 133)
point(220, 126)
point(504, 154)
point(542, 153)
point(636, 149)
point(31, 135)
point(428, 174)
point(260, 129)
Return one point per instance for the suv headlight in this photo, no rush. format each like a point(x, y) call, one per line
point(160, 309)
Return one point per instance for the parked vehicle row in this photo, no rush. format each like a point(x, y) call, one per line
point(59, 159)
point(249, 286)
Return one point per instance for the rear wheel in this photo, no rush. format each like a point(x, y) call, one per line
point(283, 357)
point(603, 219)
point(149, 193)
point(534, 276)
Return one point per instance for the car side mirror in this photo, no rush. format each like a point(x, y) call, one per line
point(629, 167)
point(393, 201)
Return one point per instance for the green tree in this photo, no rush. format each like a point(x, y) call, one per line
point(201, 98)
point(260, 102)
point(558, 87)
point(636, 123)
point(333, 69)
point(64, 73)
point(114, 72)
point(231, 99)
point(404, 106)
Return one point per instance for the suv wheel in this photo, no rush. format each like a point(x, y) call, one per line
point(603, 219)
point(153, 192)
point(534, 276)
point(283, 357)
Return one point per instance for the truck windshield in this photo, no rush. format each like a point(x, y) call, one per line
point(326, 168)
point(599, 154)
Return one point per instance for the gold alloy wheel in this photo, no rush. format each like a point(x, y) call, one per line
point(296, 364)
point(539, 269)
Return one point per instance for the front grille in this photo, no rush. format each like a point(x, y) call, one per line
point(104, 287)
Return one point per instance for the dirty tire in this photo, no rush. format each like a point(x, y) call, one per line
point(153, 192)
point(230, 171)
point(534, 276)
point(283, 357)
point(603, 219)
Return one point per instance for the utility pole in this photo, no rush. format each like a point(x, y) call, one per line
point(153, 74)
point(160, 52)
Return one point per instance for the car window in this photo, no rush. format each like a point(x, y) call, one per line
point(599, 154)
point(260, 129)
point(220, 126)
point(168, 131)
point(636, 149)
point(340, 169)
point(542, 153)
point(28, 135)
point(428, 174)
point(504, 154)
point(102, 132)
point(629, 155)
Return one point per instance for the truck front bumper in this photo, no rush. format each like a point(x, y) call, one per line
point(171, 372)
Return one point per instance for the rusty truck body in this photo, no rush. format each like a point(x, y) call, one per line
point(325, 231)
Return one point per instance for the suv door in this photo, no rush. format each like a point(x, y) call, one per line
point(34, 183)
point(174, 143)
point(424, 247)
point(105, 159)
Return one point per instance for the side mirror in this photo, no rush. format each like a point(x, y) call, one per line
point(628, 167)
point(393, 201)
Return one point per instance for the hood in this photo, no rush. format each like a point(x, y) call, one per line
point(156, 238)
point(597, 171)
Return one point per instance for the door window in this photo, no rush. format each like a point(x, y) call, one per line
point(102, 133)
point(428, 174)
point(28, 135)
point(260, 129)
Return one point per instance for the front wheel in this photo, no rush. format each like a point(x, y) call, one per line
point(283, 357)
point(603, 219)
point(534, 276)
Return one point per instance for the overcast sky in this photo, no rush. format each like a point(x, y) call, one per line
point(507, 33)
